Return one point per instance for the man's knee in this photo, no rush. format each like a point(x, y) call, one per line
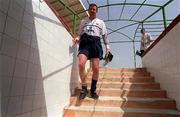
point(96, 69)
point(81, 65)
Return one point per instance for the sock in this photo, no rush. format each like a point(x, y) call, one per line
point(93, 85)
point(84, 87)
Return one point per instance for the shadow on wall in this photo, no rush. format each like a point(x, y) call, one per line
point(22, 92)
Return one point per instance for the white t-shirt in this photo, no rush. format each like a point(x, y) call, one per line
point(145, 41)
point(95, 27)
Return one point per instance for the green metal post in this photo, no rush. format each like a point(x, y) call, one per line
point(164, 17)
point(69, 8)
point(142, 25)
point(134, 45)
point(74, 24)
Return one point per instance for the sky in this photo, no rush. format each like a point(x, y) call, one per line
point(123, 52)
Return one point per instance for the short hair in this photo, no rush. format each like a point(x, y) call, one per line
point(142, 30)
point(93, 4)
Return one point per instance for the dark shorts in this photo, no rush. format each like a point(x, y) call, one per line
point(90, 46)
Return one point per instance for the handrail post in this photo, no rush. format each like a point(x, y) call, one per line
point(164, 17)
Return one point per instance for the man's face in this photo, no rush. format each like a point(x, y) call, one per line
point(92, 11)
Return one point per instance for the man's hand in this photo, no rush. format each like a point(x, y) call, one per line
point(76, 40)
point(107, 50)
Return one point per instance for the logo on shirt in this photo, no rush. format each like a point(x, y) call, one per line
point(90, 29)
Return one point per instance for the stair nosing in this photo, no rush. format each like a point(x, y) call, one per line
point(101, 82)
point(124, 98)
point(126, 89)
point(123, 110)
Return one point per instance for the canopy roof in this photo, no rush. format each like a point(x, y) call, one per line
point(70, 11)
point(124, 18)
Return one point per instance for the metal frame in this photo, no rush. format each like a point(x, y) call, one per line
point(160, 24)
point(140, 23)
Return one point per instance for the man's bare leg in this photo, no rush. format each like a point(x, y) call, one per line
point(82, 73)
point(95, 76)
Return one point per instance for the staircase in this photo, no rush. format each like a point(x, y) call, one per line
point(123, 93)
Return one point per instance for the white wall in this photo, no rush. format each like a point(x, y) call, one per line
point(38, 66)
point(163, 61)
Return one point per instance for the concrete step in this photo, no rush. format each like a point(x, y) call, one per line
point(127, 85)
point(125, 102)
point(122, 69)
point(123, 92)
point(101, 111)
point(129, 92)
point(107, 71)
point(117, 76)
point(123, 73)
point(148, 79)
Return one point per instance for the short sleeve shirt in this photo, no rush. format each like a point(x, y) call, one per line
point(95, 27)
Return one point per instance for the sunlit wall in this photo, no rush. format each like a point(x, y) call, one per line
point(38, 62)
point(163, 62)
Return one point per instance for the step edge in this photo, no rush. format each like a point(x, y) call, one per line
point(137, 99)
point(129, 83)
point(126, 89)
point(123, 110)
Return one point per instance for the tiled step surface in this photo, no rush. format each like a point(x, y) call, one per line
point(123, 92)
point(119, 75)
point(124, 74)
point(111, 92)
point(146, 79)
point(126, 102)
point(128, 85)
point(101, 111)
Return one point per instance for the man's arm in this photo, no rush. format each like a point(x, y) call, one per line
point(106, 42)
point(76, 40)
point(105, 39)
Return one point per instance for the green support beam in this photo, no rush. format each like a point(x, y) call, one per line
point(121, 34)
point(69, 8)
point(138, 9)
point(122, 9)
point(133, 45)
point(164, 17)
point(122, 28)
point(108, 9)
point(152, 5)
point(121, 20)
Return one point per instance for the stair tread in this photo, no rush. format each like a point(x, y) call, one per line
point(122, 110)
point(138, 77)
point(129, 91)
point(126, 83)
point(124, 98)
point(125, 89)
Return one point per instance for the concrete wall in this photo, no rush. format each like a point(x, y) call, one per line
point(163, 61)
point(38, 66)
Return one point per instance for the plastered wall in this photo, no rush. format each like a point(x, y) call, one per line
point(163, 61)
point(38, 62)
